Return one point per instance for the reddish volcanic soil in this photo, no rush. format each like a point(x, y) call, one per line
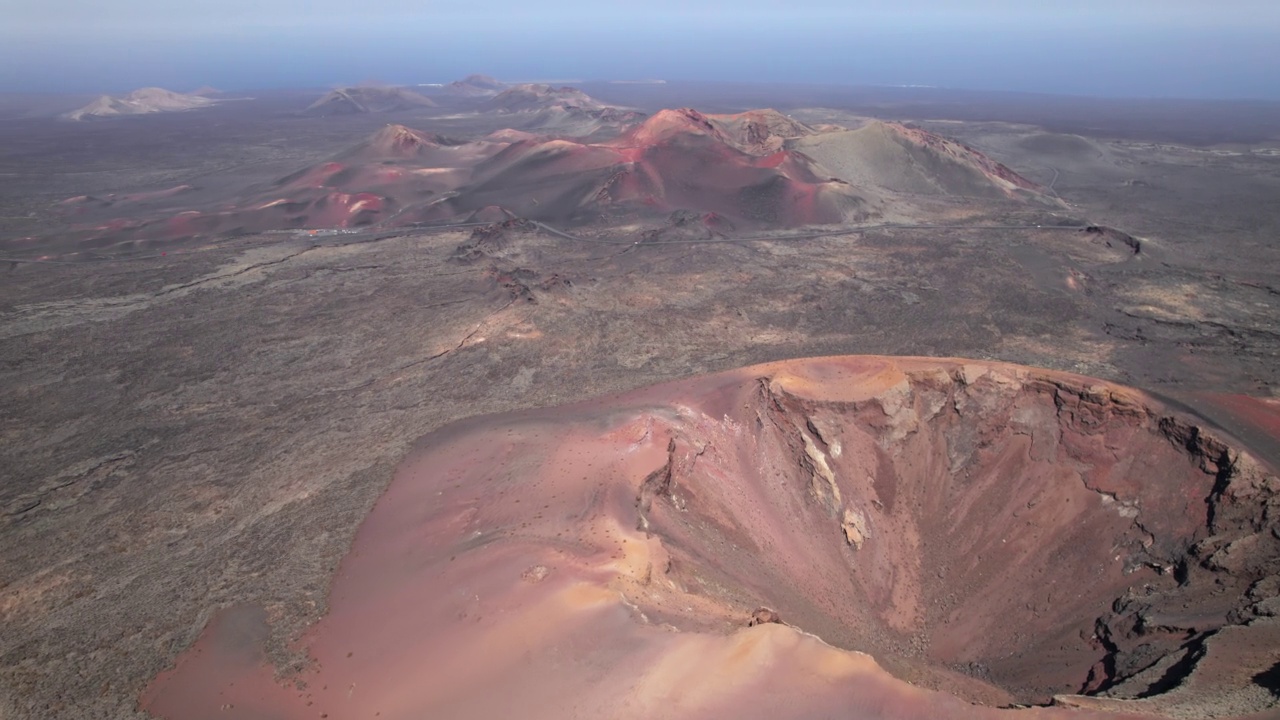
point(852, 537)
point(674, 161)
point(757, 169)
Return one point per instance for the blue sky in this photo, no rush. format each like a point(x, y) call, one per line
point(1175, 48)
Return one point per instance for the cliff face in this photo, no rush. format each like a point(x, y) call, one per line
point(736, 543)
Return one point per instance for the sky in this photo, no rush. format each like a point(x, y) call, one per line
point(1113, 48)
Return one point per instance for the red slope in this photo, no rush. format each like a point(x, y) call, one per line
point(668, 124)
point(677, 160)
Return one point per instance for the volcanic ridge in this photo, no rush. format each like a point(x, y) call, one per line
point(834, 537)
point(758, 169)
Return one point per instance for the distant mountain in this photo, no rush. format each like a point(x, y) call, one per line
point(368, 99)
point(534, 97)
point(475, 86)
point(694, 174)
point(139, 102)
point(564, 111)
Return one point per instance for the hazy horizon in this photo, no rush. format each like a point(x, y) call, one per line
point(1141, 49)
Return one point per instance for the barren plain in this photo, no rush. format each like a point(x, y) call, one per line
point(196, 428)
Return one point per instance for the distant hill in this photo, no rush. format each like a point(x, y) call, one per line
point(535, 97)
point(395, 141)
point(368, 99)
point(899, 159)
point(475, 86)
point(139, 102)
point(565, 111)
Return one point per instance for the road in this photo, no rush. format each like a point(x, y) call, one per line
point(783, 237)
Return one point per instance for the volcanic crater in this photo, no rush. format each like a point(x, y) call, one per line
point(992, 535)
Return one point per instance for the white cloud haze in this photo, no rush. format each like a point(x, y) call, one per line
point(1133, 47)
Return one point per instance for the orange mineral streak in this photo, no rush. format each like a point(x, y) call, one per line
point(601, 560)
